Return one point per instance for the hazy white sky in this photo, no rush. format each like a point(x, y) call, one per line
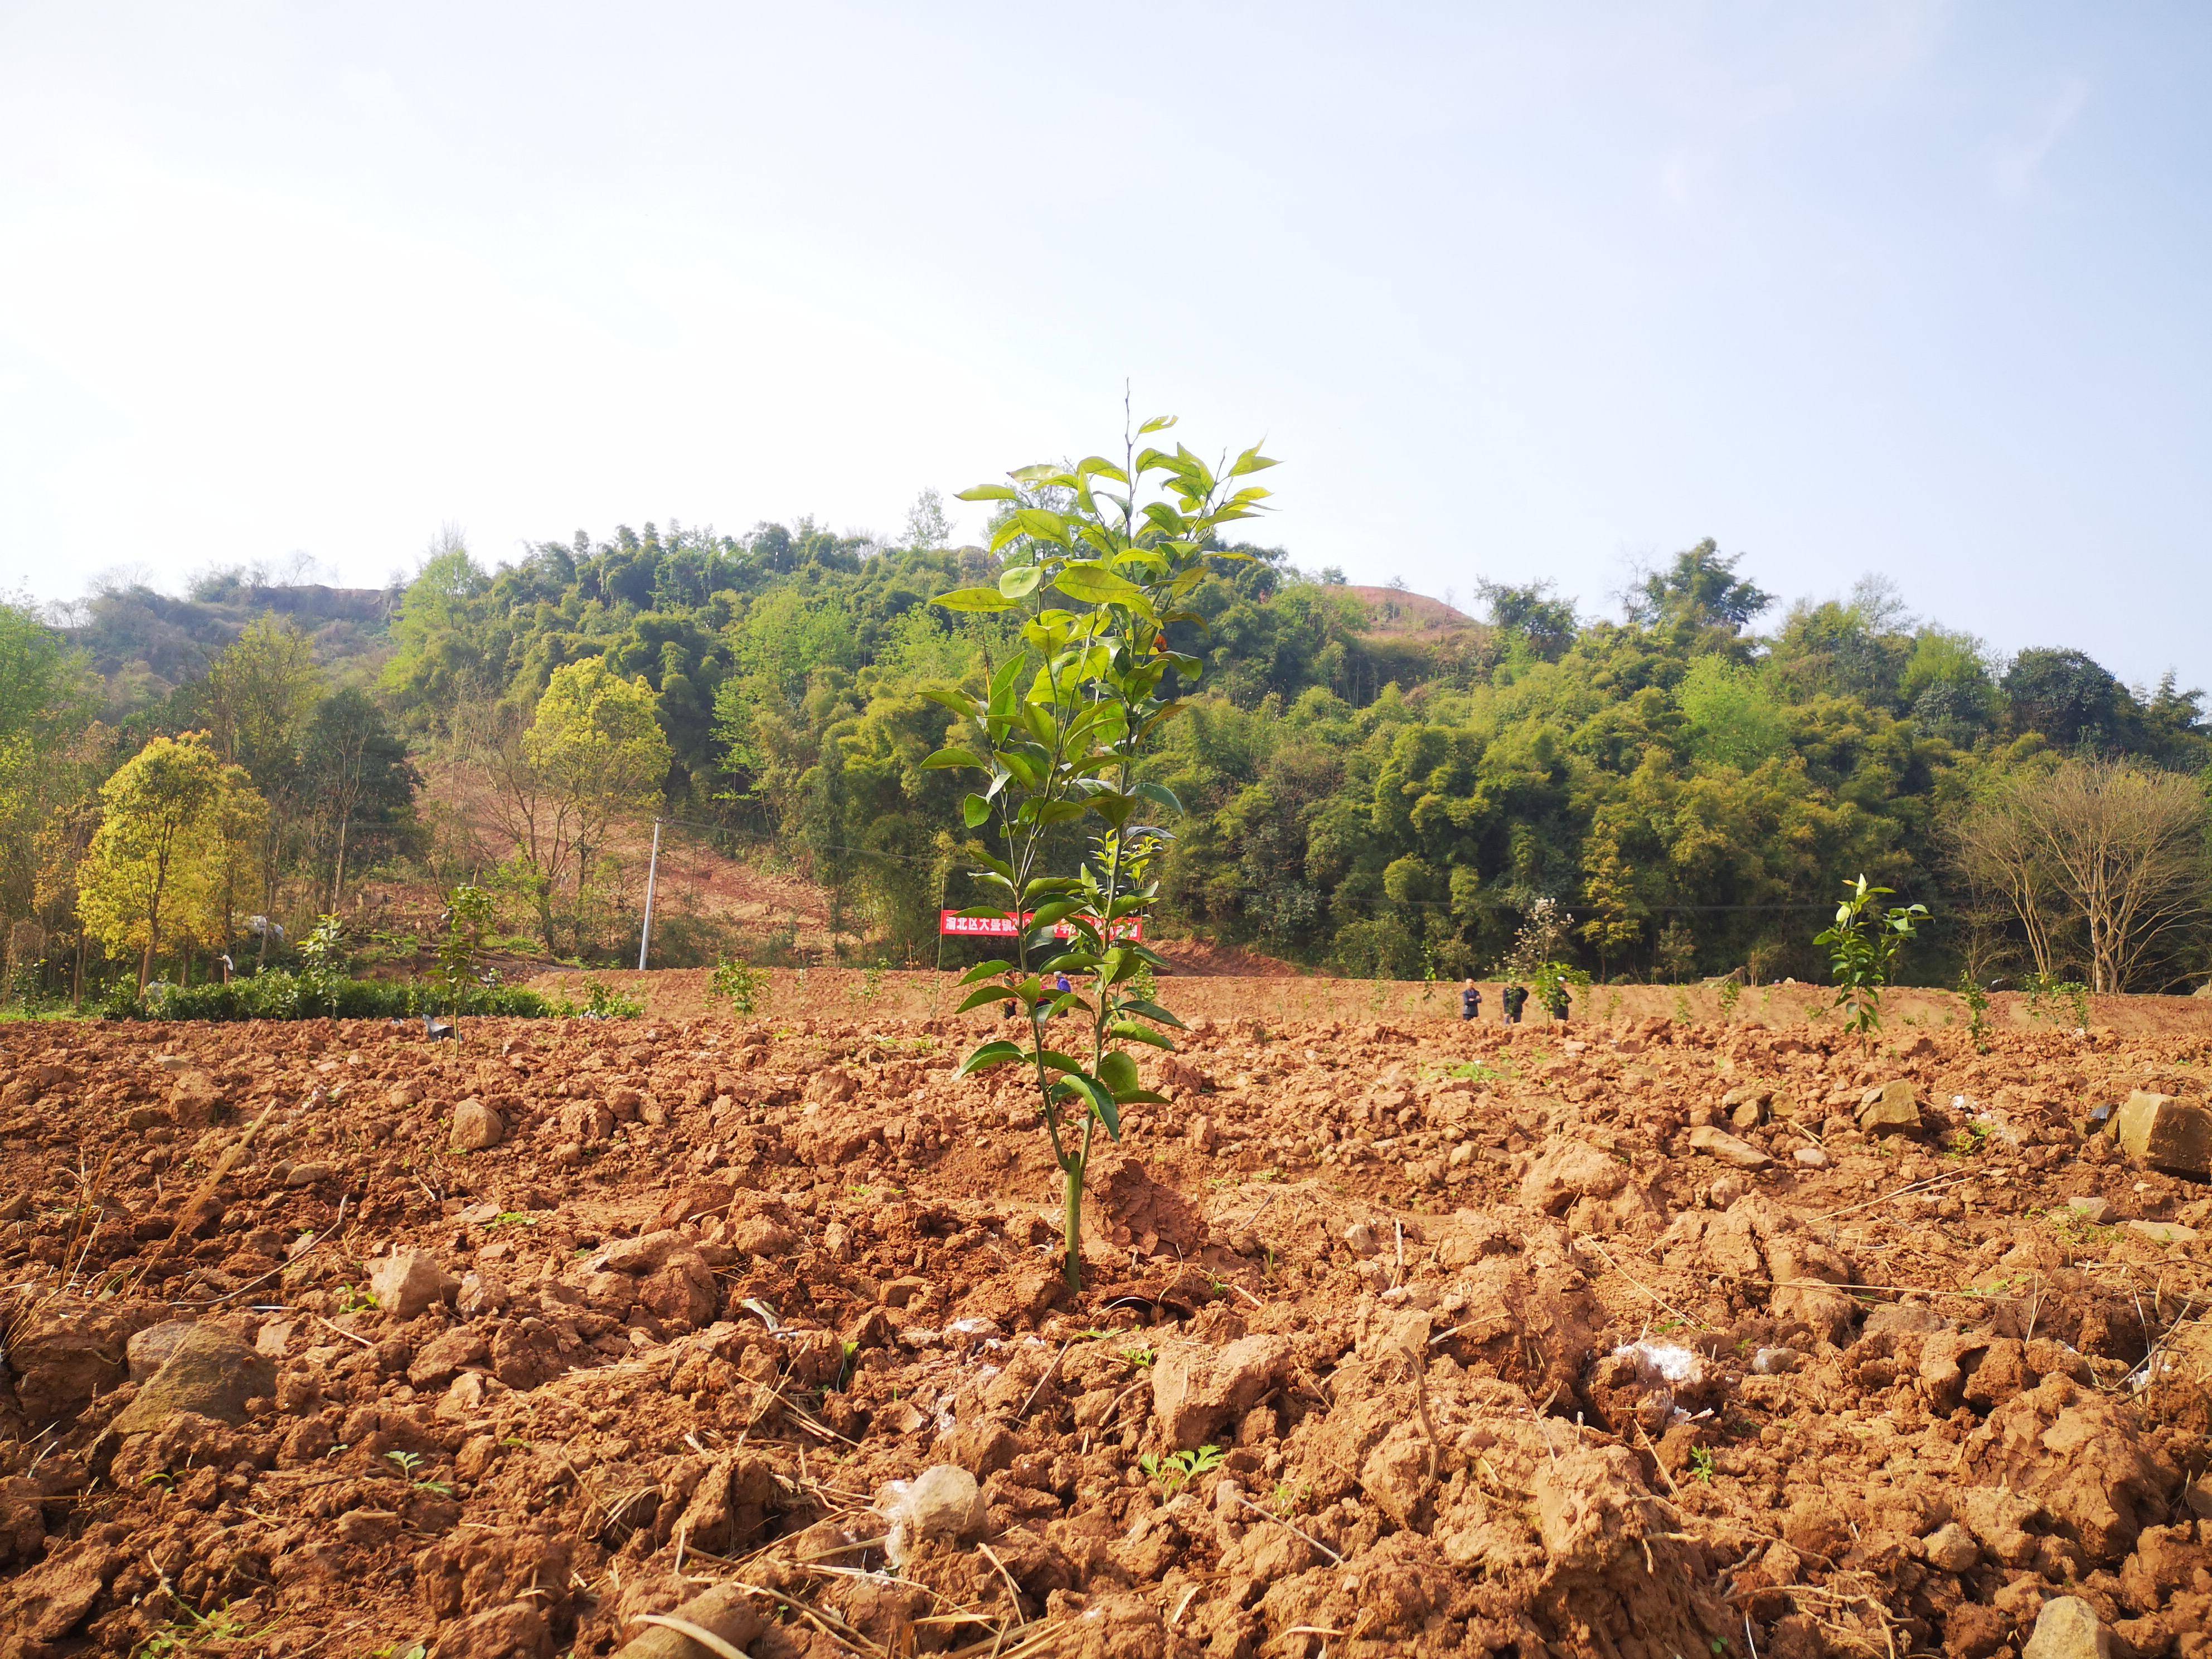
point(1512, 291)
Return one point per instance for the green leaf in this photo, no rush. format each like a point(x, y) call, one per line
point(988, 493)
point(1129, 1031)
point(1153, 1011)
point(984, 970)
point(1102, 1102)
point(1003, 683)
point(1160, 795)
point(981, 998)
point(1046, 915)
point(1093, 584)
point(945, 759)
point(974, 598)
point(1044, 524)
point(1021, 581)
point(1118, 1071)
point(1157, 424)
point(960, 703)
point(974, 810)
point(990, 1055)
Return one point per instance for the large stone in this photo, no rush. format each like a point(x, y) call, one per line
point(2069, 1628)
point(726, 1611)
point(2166, 1134)
point(1565, 1171)
point(1890, 1109)
point(210, 1373)
point(407, 1282)
point(476, 1127)
point(1198, 1388)
point(1720, 1144)
point(943, 1503)
point(150, 1349)
point(61, 1360)
point(2163, 1232)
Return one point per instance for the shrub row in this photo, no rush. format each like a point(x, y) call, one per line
point(279, 995)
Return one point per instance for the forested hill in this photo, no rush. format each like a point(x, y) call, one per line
point(145, 644)
point(1387, 793)
point(1372, 781)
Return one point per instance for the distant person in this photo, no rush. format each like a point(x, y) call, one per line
point(1514, 998)
point(1470, 1000)
point(1555, 1001)
point(1061, 981)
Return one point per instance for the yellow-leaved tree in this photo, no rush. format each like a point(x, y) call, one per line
point(176, 833)
point(593, 756)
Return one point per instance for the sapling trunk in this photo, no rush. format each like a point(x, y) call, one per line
point(1074, 1219)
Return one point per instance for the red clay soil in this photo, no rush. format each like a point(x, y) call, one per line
point(1227, 983)
point(1399, 1337)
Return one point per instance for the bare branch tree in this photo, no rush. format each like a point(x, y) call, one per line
point(2127, 847)
point(1998, 849)
point(2103, 846)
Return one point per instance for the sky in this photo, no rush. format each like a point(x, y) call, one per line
point(1515, 293)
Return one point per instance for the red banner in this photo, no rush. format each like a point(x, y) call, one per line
point(953, 925)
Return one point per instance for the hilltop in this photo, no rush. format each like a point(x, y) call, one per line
point(145, 644)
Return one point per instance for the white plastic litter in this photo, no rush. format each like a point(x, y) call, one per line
point(1663, 1362)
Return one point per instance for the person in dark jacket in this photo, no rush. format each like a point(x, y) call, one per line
point(1470, 1000)
point(1555, 999)
point(1515, 999)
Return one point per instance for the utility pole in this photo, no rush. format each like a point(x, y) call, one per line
point(652, 870)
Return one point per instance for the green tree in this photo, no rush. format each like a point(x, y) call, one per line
point(256, 701)
point(1061, 735)
point(1732, 720)
point(592, 755)
point(1677, 951)
point(360, 787)
point(1699, 589)
point(926, 524)
point(45, 701)
point(1615, 919)
point(438, 658)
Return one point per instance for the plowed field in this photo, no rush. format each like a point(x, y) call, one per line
point(1416, 1338)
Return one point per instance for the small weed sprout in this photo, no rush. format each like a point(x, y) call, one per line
point(607, 1003)
point(1978, 1010)
point(351, 1300)
point(741, 985)
point(1701, 1464)
point(1179, 1468)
